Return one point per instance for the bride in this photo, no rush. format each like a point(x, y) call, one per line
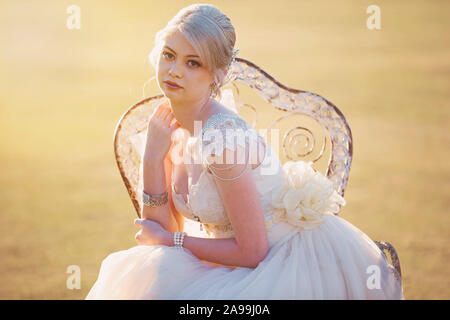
point(263, 234)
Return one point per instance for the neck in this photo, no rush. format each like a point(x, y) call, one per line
point(188, 112)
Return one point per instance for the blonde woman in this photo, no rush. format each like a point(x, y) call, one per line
point(262, 234)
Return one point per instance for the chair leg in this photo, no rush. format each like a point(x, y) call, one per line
point(393, 257)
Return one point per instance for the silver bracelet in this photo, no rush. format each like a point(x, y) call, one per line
point(178, 239)
point(154, 201)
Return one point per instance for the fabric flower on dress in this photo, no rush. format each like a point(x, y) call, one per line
point(305, 196)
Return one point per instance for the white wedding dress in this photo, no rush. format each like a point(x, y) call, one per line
point(333, 260)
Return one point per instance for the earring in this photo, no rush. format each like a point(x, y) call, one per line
point(213, 89)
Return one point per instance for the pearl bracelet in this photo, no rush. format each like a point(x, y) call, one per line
point(178, 238)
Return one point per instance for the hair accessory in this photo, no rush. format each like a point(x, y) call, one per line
point(178, 239)
point(154, 201)
point(235, 53)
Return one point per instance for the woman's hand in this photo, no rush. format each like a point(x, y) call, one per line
point(159, 132)
point(152, 233)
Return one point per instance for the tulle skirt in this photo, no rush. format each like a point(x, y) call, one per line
point(334, 261)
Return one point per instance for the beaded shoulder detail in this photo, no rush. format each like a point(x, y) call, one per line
point(226, 131)
point(218, 119)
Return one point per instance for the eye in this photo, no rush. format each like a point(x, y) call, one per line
point(195, 63)
point(167, 54)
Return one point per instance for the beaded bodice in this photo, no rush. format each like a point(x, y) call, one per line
point(202, 203)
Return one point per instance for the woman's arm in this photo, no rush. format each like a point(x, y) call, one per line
point(178, 216)
point(159, 135)
point(219, 251)
point(240, 197)
point(222, 251)
point(154, 181)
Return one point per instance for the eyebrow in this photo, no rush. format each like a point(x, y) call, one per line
point(191, 55)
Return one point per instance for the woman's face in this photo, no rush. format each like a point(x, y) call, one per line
point(180, 64)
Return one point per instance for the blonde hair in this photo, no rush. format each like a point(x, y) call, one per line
point(210, 33)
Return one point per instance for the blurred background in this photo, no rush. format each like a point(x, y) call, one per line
point(62, 199)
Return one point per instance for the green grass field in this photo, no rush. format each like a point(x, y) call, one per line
point(63, 202)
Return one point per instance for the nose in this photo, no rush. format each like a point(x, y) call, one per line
point(174, 70)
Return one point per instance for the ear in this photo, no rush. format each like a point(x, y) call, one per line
point(223, 72)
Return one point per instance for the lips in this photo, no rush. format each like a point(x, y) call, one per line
point(173, 84)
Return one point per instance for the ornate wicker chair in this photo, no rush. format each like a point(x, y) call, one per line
point(129, 136)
